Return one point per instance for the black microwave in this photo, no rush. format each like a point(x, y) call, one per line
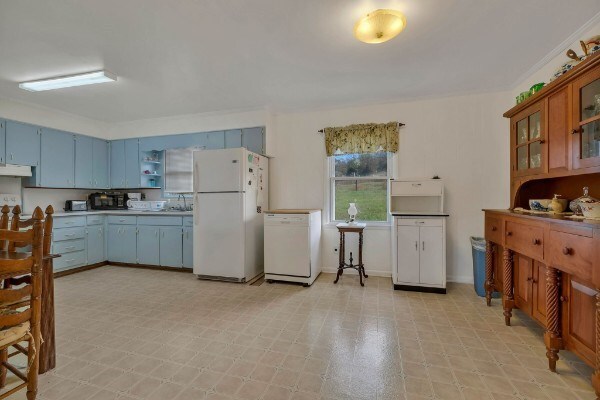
point(108, 201)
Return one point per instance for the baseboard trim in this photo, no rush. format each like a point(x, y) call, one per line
point(460, 279)
point(423, 289)
point(148, 266)
point(79, 269)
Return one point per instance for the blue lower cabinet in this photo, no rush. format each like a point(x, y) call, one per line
point(95, 244)
point(170, 246)
point(122, 243)
point(68, 241)
point(188, 247)
point(69, 260)
point(148, 245)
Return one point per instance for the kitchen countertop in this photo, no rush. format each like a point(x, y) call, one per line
point(117, 212)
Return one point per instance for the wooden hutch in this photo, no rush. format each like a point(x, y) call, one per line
point(549, 265)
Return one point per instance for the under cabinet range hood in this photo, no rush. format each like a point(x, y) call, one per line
point(15, 170)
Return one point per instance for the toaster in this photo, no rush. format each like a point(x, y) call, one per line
point(76, 205)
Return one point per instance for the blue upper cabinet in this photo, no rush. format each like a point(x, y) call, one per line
point(91, 163)
point(84, 158)
point(100, 161)
point(253, 139)
point(57, 159)
point(117, 164)
point(214, 140)
point(2, 141)
point(233, 138)
point(132, 164)
point(22, 144)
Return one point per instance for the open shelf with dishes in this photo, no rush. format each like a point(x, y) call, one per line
point(151, 169)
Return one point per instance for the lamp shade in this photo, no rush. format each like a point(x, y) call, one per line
point(379, 26)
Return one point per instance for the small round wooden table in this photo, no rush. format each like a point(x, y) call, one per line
point(344, 228)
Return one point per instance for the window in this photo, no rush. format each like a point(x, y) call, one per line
point(179, 170)
point(361, 179)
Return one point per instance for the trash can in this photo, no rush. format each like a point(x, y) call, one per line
point(478, 249)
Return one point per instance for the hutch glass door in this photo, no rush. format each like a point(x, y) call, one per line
point(528, 139)
point(587, 121)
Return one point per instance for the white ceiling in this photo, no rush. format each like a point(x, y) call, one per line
point(192, 56)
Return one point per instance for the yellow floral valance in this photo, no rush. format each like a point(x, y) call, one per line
point(362, 138)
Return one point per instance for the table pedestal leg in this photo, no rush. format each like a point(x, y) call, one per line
point(342, 257)
point(360, 253)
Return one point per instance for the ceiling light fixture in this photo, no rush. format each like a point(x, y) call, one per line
point(379, 26)
point(88, 78)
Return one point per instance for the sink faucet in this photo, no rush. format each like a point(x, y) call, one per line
point(181, 196)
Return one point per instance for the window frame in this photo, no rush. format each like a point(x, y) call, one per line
point(330, 191)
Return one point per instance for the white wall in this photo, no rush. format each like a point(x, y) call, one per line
point(51, 118)
point(463, 139)
point(546, 68)
point(188, 123)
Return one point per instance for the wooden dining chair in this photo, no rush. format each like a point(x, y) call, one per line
point(20, 306)
point(47, 350)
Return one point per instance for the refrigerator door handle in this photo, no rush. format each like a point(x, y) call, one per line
point(196, 212)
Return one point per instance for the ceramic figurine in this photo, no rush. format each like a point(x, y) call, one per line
point(556, 206)
point(575, 205)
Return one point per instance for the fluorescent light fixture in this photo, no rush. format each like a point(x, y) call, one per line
point(88, 78)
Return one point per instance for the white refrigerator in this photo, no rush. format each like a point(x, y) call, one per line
point(230, 193)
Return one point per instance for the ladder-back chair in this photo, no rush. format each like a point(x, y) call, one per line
point(47, 351)
point(20, 299)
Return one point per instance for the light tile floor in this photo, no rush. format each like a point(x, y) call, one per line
point(127, 333)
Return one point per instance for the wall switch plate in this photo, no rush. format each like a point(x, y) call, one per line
point(10, 199)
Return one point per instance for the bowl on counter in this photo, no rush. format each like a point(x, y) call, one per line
point(539, 204)
point(590, 210)
point(157, 205)
point(544, 204)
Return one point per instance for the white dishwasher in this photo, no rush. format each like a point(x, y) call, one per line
point(293, 246)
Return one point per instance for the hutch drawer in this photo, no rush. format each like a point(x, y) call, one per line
point(525, 239)
point(493, 229)
point(571, 253)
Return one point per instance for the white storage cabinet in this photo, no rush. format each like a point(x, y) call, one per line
point(418, 235)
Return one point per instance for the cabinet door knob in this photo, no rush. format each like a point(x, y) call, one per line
point(536, 242)
point(509, 233)
point(529, 279)
point(563, 299)
point(567, 251)
point(542, 141)
point(574, 131)
point(494, 229)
